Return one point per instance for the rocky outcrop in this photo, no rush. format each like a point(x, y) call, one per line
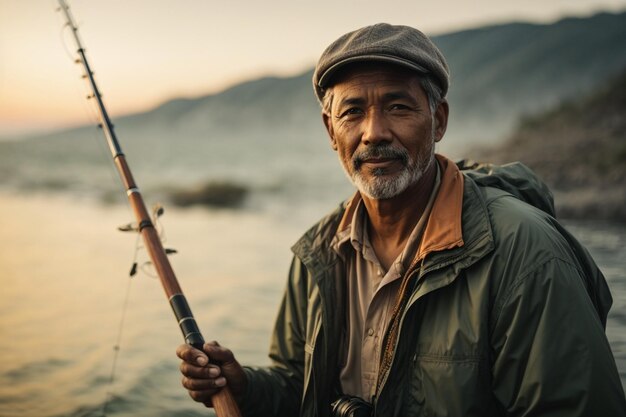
point(579, 149)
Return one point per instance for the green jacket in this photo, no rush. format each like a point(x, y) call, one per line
point(510, 323)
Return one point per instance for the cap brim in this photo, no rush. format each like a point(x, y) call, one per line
point(328, 74)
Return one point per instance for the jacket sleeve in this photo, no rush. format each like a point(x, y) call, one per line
point(551, 356)
point(276, 390)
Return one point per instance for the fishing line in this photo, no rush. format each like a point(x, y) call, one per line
point(64, 25)
point(116, 348)
point(91, 112)
point(63, 42)
point(158, 211)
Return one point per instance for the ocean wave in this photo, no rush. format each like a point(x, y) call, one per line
point(35, 369)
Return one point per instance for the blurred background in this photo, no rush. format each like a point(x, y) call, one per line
point(214, 108)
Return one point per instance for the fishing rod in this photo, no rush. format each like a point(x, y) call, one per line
point(223, 401)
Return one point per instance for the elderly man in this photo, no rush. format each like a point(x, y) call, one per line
point(437, 290)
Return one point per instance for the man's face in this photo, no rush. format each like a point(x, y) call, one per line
point(381, 126)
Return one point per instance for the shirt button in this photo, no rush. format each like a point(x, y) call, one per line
point(370, 332)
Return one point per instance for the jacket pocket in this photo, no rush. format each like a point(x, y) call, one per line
point(442, 385)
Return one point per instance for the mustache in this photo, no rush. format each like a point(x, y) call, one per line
point(378, 152)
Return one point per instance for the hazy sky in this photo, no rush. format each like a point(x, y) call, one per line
point(147, 51)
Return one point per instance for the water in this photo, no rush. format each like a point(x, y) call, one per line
point(63, 271)
point(64, 276)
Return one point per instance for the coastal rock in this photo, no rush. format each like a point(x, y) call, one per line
point(579, 150)
point(220, 194)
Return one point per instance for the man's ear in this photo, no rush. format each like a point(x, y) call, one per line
point(328, 123)
point(441, 119)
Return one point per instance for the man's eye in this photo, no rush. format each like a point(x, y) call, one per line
point(398, 106)
point(351, 111)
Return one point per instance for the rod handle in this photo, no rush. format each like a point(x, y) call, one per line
point(223, 401)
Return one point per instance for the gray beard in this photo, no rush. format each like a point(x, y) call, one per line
point(381, 188)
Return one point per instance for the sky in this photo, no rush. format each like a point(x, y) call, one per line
point(145, 52)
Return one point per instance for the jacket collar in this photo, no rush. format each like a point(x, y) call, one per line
point(477, 239)
point(444, 228)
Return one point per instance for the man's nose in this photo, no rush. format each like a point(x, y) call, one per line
point(375, 129)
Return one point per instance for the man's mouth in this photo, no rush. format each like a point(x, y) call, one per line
point(379, 158)
point(378, 162)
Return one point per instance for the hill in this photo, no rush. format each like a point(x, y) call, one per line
point(579, 149)
point(500, 73)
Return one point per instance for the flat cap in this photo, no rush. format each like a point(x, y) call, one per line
point(401, 45)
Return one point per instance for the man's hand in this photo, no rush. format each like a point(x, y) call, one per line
point(203, 379)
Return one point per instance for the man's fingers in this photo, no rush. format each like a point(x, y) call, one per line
point(201, 390)
point(192, 355)
point(202, 396)
point(205, 372)
point(205, 385)
point(199, 372)
point(218, 353)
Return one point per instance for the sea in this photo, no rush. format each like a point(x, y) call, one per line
point(79, 337)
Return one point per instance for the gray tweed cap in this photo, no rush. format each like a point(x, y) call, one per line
point(402, 45)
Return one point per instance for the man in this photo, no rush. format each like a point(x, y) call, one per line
point(436, 290)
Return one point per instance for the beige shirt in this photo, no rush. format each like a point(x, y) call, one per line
point(371, 297)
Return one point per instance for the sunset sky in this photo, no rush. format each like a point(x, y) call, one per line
point(147, 51)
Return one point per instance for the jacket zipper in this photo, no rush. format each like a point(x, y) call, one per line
point(395, 348)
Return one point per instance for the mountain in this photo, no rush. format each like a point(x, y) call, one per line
point(267, 132)
point(579, 149)
point(502, 72)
